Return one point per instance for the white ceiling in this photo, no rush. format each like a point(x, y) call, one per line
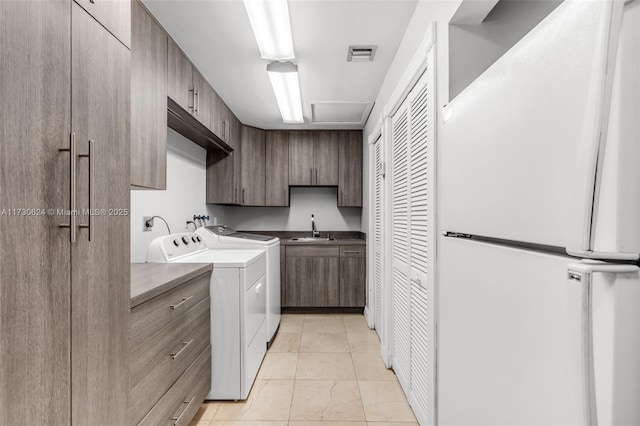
point(217, 37)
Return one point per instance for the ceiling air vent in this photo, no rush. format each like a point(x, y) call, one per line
point(361, 53)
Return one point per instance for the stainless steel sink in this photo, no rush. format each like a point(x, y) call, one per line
point(311, 239)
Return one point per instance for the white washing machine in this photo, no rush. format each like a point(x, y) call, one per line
point(238, 309)
point(223, 237)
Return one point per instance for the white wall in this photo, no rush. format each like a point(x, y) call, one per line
point(322, 202)
point(427, 11)
point(184, 196)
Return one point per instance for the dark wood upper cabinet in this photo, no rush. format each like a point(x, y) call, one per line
point(277, 172)
point(180, 77)
point(301, 158)
point(114, 15)
point(224, 173)
point(325, 158)
point(221, 181)
point(222, 119)
point(148, 100)
point(350, 169)
point(252, 168)
point(201, 99)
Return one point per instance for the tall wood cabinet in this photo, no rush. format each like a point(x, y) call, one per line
point(63, 320)
point(148, 100)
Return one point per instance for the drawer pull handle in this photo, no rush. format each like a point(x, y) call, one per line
point(351, 251)
point(176, 420)
point(184, 300)
point(175, 355)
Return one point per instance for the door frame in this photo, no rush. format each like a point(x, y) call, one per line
point(370, 310)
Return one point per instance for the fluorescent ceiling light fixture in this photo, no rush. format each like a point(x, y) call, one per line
point(271, 28)
point(286, 86)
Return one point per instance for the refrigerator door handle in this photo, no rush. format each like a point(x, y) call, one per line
point(591, 154)
point(582, 273)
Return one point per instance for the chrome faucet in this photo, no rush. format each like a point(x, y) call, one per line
point(314, 233)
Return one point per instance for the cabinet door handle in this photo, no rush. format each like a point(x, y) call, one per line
point(243, 196)
point(311, 172)
point(184, 300)
point(90, 156)
point(72, 194)
point(196, 103)
point(192, 107)
point(177, 419)
point(175, 355)
point(351, 252)
point(316, 176)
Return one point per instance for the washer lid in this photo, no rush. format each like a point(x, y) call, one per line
point(225, 258)
point(225, 231)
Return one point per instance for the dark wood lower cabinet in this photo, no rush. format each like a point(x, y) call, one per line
point(326, 285)
point(352, 281)
point(299, 281)
point(327, 276)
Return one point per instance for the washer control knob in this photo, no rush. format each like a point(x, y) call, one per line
point(194, 239)
point(176, 242)
point(198, 238)
point(185, 240)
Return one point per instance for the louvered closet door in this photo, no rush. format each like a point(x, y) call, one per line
point(400, 245)
point(377, 237)
point(422, 246)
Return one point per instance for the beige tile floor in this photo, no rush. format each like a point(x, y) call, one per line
point(322, 370)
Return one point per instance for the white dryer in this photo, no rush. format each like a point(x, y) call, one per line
point(223, 237)
point(238, 309)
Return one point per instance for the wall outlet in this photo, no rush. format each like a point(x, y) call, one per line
point(146, 228)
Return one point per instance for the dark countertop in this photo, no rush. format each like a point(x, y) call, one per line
point(323, 241)
point(339, 237)
point(151, 279)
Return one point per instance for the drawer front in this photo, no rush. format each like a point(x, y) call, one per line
point(157, 364)
point(255, 309)
point(353, 251)
point(323, 251)
point(152, 316)
point(181, 402)
point(255, 271)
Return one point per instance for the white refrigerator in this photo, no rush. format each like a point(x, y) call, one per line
point(539, 285)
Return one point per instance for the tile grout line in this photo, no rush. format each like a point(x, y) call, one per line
point(356, 374)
